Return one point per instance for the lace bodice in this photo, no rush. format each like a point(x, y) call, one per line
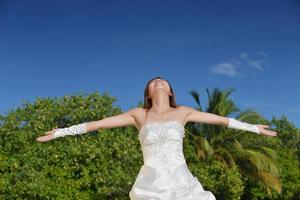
point(161, 144)
point(162, 123)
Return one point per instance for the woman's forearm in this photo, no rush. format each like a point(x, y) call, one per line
point(72, 130)
point(236, 124)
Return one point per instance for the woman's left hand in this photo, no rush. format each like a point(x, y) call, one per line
point(263, 130)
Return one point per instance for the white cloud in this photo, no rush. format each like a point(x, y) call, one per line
point(231, 68)
point(227, 68)
point(257, 63)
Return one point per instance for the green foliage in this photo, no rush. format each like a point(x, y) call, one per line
point(104, 164)
point(222, 182)
point(262, 161)
point(286, 146)
point(97, 165)
point(220, 143)
point(213, 175)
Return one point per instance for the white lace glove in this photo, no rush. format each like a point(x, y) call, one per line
point(233, 123)
point(72, 130)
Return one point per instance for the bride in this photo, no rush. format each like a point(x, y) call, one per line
point(164, 174)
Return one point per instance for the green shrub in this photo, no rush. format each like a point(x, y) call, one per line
point(104, 164)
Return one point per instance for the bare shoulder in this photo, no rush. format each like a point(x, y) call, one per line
point(186, 109)
point(136, 112)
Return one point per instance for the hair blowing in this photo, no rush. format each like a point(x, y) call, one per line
point(148, 101)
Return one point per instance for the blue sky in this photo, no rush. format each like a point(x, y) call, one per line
point(56, 48)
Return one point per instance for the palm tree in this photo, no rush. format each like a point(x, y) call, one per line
point(220, 143)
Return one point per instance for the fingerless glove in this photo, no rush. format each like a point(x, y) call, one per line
point(72, 130)
point(235, 124)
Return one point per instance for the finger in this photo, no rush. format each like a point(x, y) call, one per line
point(39, 139)
point(42, 139)
point(272, 133)
point(47, 133)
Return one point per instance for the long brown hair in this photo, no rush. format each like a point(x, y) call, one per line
point(148, 102)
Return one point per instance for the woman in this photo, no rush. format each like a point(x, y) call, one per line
point(161, 122)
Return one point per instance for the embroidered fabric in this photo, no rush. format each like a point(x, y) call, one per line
point(236, 124)
point(165, 174)
point(72, 130)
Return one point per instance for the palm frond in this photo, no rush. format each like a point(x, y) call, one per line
point(195, 95)
point(225, 156)
point(203, 148)
point(271, 181)
point(256, 162)
point(267, 151)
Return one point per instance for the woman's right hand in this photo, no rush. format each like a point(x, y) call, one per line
point(47, 136)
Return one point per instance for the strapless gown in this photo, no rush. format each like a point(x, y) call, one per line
point(165, 174)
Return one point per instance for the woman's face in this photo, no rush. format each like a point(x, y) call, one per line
point(158, 84)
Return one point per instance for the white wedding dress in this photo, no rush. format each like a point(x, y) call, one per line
point(165, 174)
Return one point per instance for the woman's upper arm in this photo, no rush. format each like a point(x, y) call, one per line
point(123, 119)
point(194, 115)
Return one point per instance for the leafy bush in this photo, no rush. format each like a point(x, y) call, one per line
point(96, 165)
point(104, 164)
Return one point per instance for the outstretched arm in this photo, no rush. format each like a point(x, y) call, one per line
point(210, 118)
point(205, 117)
point(123, 119)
